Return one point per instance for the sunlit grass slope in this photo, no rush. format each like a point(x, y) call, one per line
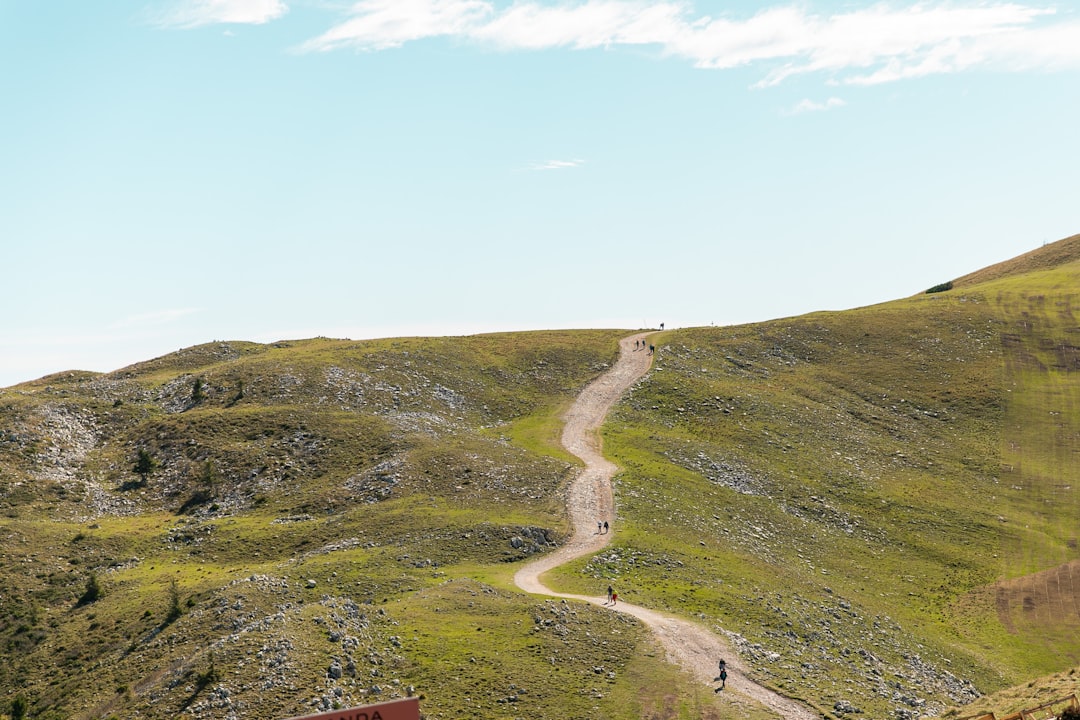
point(314, 524)
point(878, 505)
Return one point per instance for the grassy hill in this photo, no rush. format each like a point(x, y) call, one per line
point(1047, 257)
point(320, 524)
point(878, 506)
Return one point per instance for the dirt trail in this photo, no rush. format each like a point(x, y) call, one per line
point(686, 644)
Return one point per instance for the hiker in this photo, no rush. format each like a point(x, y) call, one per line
point(661, 326)
point(614, 599)
point(599, 525)
point(722, 677)
point(605, 527)
point(610, 592)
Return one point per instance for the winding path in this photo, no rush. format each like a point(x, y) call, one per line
point(686, 644)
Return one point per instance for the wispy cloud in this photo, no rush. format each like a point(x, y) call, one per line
point(877, 44)
point(807, 106)
point(195, 13)
point(382, 24)
point(557, 165)
point(159, 317)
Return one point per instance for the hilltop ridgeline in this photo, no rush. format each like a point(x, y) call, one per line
point(1049, 256)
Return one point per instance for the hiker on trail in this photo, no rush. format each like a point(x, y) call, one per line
point(599, 526)
point(651, 349)
point(605, 527)
point(661, 326)
point(722, 677)
point(614, 599)
point(610, 592)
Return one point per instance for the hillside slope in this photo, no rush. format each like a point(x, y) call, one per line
point(314, 524)
point(1047, 257)
point(878, 505)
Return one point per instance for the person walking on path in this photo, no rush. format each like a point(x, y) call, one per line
point(722, 677)
point(614, 599)
point(605, 527)
point(610, 592)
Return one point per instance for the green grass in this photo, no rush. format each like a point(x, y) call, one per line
point(541, 433)
point(872, 503)
point(368, 471)
point(840, 482)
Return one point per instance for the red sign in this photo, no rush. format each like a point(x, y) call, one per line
point(405, 709)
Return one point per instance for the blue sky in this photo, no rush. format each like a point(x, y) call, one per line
point(179, 171)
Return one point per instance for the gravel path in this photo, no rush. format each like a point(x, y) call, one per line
point(686, 644)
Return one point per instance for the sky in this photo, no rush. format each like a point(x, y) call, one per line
point(174, 172)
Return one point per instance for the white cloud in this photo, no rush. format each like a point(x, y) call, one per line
point(880, 43)
point(382, 24)
point(159, 317)
point(194, 13)
point(558, 164)
point(593, 24)
point(805, 106)
point(910, 42)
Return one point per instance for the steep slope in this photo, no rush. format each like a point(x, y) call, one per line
point(878, 505)
point(1038, 596)
point(1047, 257)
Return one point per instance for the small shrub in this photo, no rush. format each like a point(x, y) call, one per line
point(92, 592)
point(197, 394)
point(209, 676)
point(145, 464)
point(209, 476)
point(940, 288)
point(239, 394)
point(175, 611)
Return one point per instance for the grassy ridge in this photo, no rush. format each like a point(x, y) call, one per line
point(856, 495)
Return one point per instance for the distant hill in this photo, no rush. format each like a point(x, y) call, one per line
point(878, 506)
